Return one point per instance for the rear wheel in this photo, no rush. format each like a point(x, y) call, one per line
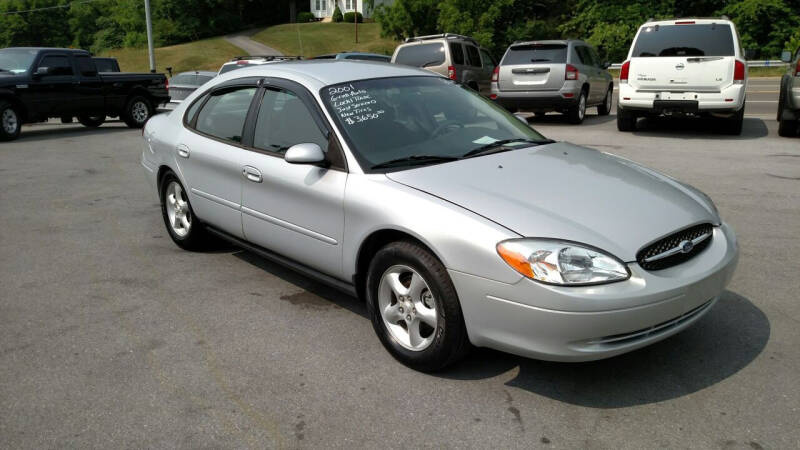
point(182, 225)
point(91, 121)
point(577, 113)
point(10, 123)
point(733, 126)
point(414, 307)
point(137, 111)
point(626, 121)
point(605, 108)
point(786, 127)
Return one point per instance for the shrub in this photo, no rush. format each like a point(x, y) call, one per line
point(305, 16)
point(337, 14)
point(349, 17)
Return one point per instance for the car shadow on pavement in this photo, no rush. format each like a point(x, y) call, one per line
point(698, 128)
point(723, 342)
point(41, 133)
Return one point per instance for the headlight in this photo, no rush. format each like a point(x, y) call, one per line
point(561, 262)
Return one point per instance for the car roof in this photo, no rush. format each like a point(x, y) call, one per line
point(318, 73)
point(696, 20)
point(550, 41)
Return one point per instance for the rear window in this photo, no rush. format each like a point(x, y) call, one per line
point(183, 79)
point(422, 55)
point(536, 53)
point(684, 40)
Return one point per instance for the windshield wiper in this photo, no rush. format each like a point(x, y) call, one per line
point(414, 160)
point(501, 146)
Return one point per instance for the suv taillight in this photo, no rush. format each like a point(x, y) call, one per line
point(496, 74)
point(738, 72)
point(623, 72)
point(572, 72)
point(167, 83)
point(451, 72)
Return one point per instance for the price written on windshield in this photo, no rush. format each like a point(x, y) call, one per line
point(354, 105)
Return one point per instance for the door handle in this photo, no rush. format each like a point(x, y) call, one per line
point(252, 174)
point(183, 152)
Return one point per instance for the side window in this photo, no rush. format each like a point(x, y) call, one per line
point(224, 113)
point(474, 58)
point(58, 64)
point(190, 113)
point(457, 53)
point(487, 59)
point(283, 121)
point(86, 66)
point(585, 56)
point(595, 56)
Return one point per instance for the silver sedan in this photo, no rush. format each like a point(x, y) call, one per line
point(454, 221)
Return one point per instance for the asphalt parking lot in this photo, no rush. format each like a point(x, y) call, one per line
point(113, 337)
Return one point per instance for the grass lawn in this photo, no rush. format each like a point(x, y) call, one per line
point(320, 38)
point(208, 54)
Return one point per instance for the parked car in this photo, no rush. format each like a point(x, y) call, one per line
point(454, 56)
point(789, 99)
point(240, 62)
point(684, 67)
point(40, 83)
point(356, 55)
point(565, 76)
point(104, 64)
point(413, 192)
point(184, 83)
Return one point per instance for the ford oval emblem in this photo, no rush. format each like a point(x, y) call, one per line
point(679, 66)
point(686, 246)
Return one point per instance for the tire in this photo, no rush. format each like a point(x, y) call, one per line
point(625, 120)
point(10, 122)
point(786, 127)
point(733, 126)
point(539, 114)
point(137, 111)
point(91, 121)
point(188, 234)
point(577, 113)
point(435, 312)
point(604, 108)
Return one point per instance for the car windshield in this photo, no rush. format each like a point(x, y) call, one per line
point(420, 120)
point(684, 40)
point(16, 60)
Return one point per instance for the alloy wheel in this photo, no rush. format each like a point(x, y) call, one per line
point(407, 307)
point(139, 111)
point(10, 121)
point(178, 212)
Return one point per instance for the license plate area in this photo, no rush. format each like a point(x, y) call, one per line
point(676, 107)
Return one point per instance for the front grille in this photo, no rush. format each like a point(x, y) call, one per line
point(675, 248)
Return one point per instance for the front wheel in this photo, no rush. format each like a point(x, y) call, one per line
point(10, 123)
point(137, 111)
point(91, 121)
point(577, 113)
point(414, 307)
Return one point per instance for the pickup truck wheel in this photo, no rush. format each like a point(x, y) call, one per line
point(10, 124)
point(182, 225)
point(578, 112)
point(625, 120)
point(91, 121)
point(414, 307)
point(137, 111)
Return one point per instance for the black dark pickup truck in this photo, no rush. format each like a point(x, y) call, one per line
point(41, 83)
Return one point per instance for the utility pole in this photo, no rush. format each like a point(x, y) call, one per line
point(355, 18)
point(149, 21)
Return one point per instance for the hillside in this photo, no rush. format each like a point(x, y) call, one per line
point(207, 54)
point(319, 38)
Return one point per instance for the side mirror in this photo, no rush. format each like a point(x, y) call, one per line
point(786, 56)
point(308, 153)
point(521, 118)
point(42, 71)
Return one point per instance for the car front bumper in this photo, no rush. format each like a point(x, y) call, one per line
point(728, 101)
point(594, 322)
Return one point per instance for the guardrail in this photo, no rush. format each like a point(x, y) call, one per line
point(765, 63)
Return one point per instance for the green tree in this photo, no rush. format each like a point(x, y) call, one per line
point(763, 25)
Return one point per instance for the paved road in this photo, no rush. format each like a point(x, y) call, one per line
point(112, 337)
point(243, 41)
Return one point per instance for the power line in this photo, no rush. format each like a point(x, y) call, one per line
point(67, 5)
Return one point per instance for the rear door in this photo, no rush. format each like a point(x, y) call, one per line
point(683, 57)
point(477, 70)
point(533, 67)
point(458, 59)
point(90, 87)
point(589, 66)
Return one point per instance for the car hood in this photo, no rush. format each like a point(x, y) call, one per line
point(567, 192)
point(12, 79)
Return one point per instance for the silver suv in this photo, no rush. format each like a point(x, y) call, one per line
point(541, 76)
point(789, 101)
point(454, 56)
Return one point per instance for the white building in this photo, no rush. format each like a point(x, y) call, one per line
point(324, 8)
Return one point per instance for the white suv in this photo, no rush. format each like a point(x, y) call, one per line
point(684, 67)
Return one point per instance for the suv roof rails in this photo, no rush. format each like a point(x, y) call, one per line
point(441, 36)
point(667, 19)
point(266, 57)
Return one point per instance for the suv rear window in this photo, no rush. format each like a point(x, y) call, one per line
point(684, 40)
point(421, 55)
point(536, 53)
